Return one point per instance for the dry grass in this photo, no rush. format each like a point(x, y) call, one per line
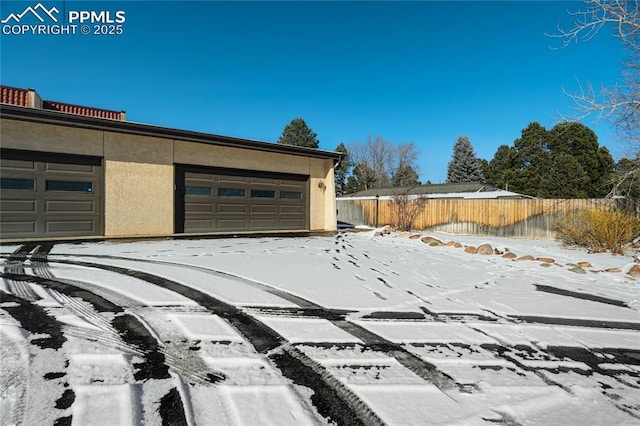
point(597, 230)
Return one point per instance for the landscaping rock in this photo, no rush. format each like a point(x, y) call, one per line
point(404, 235)
point(471, 250)
point(546, 264)
point(457, 245)
point(545, 259)
point(578, 270)
point(432, 241)
point(485, 249)
point(449, 243)
point(584, 264)
point(527, 257)
point(509, 255)
point(613, 270)
point(414, 236)
point(634, 271)
point(498, 252)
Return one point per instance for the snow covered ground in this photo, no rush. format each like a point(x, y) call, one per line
point(348, 329)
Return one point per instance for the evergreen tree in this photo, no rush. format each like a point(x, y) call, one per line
point(405, 175)
point(564, 162)
point(531, 160)
point(464, 166)
point(342, 170)
point(580, 142)
point(362, 178)
point(565, 178)
point(299, 134)
point(499, 171)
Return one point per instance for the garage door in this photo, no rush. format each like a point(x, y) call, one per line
point(230, 200)
point(49, 195)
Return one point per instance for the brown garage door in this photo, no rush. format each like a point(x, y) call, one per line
point(239, 200)
point(49, 195)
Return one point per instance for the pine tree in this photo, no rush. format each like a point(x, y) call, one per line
point(564, 162)
point(342, 170)
point(405, 175)
point(299, 134)
point(464, 166)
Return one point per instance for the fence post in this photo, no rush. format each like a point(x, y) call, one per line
point(377, 205)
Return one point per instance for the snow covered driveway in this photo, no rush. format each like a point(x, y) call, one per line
point(349, 329)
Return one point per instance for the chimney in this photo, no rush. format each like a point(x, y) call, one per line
point(33, 99)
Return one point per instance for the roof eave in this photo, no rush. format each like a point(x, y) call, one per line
point(74, 120)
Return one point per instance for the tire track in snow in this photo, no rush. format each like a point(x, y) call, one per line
point(419, 366)
point(184, 362)
point(15, 264)
point(329, 401)
point(124, 330)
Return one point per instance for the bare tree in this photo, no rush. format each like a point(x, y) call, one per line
point(406, 209)
point(377, 161)
point(619, 104)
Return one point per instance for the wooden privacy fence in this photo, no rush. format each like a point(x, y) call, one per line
point(527, 218)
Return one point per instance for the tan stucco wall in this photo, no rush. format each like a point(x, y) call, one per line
point(138, 199)
point(139, 171)
point(137, 149)
point(330, 208)
point(27, 135)
point(322, 196)
point(237, 158)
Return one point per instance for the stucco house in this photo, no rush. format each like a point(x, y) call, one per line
point(74, 171)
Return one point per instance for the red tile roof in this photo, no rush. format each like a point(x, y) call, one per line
point(81, 110)
point(21, 97)
point(14, 96)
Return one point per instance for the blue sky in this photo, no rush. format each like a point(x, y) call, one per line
point(423, 72)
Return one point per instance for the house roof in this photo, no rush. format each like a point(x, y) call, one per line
point(29, 98)
point(441, 190)
point(89, 122)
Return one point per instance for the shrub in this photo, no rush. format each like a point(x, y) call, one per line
point(598, 230)
point(405, 209)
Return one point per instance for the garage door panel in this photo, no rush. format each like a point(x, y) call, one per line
point(263, 209)
point(55, 206)
point(64, 227)
point(232, 208)
point(46, 194)
point(231, 224)
point(242, 200)
point(266, 224)
point(263, 181)
point(297, 210)
point(70, 168)
point(200, 207)
point(292, 223)
point(7, 164)
point(23, 227)
point(18, 206)
point(203, 225)
point(231, 179)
